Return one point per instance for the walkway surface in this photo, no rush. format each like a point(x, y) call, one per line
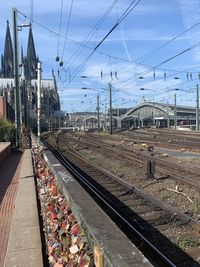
point(9, 180)
point(3, 145)
point(24, 247)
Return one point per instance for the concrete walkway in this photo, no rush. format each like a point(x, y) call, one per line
point(24, 245)
point(9, 178)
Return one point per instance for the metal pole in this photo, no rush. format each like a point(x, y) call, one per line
point(110, 91)
point(98, 119)
point(16, 80)
point(23, 100)
point(175, 112)
point(59, 122)
point(38, 99)
point(105, 118)
point(49, 113)
point(197, 110)
point(168, 122)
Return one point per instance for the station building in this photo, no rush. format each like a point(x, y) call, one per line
point(146, 114)
point(149, 114)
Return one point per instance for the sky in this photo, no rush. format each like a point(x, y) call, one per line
point(156, 47)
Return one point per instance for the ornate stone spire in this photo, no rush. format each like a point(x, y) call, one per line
point(7, 67)
point(21, 56)
point(31, 57)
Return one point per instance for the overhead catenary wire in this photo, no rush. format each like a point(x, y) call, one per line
point(52, 32)
point(67, 28)
point(116, 57)
point(91, 34)
point(177, 55)
point(169, 90)
point(59, 29)
point(122, 17)
point(158, 48)
point(163, 62)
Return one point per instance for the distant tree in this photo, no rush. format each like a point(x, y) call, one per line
point(7, 131)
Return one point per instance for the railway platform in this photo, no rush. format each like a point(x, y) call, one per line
point(20, 243)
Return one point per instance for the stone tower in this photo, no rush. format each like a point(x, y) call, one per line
point(7, 63)
point(31, 59)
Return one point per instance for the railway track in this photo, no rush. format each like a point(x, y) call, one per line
point(171, 138)
point(176, 171)
point(154, 226)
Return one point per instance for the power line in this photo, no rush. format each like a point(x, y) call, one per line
point(158, 48)
point(60, 23)
point(67, 29)
point(110, 56)
point(177, 55)
point(163, 62)
point(123, 16)
point(90, 35)
point(88, 47)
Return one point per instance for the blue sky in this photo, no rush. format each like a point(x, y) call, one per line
point(149, 26)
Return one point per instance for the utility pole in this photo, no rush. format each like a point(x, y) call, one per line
point(197, 110)
point(110, 91)
point(175, 112)
point(59, 122)
point(38, 99)
point(98, 119)
point(49, 111)
point(105, 118)
point(168, 121)
point(16, 80)
point(23, 100)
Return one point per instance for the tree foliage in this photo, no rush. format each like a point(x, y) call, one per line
point(7, 131)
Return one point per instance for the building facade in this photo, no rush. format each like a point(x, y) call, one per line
point(28, 83)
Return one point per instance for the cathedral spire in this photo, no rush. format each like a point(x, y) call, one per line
point(8, 55)
point(31, 57)
point(21, 56)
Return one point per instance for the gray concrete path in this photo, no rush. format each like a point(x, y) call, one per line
point(24, 245)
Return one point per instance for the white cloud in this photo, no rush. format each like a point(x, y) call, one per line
point(190, 11)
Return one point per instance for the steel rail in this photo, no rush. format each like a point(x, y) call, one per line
point(167, 168)
point(108, 203)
